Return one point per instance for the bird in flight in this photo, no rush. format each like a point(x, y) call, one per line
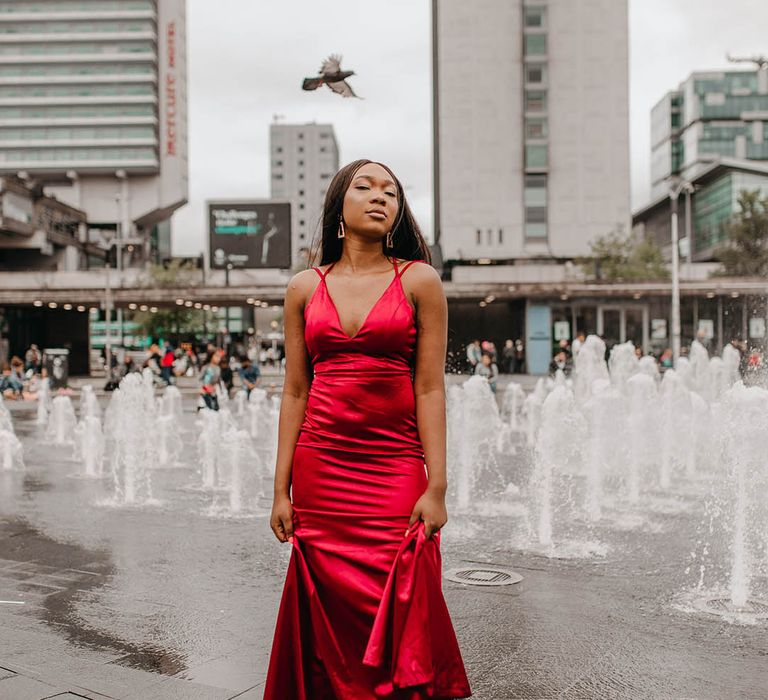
point(332, 76)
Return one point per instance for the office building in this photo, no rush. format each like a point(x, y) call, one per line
point(710, 116)
point(531, 128)
point(303, 160)
point(93, 109)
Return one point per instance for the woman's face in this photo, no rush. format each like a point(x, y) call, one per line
point(370, 203)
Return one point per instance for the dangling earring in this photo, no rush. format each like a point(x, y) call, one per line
point(341, 233)
point(389, 240)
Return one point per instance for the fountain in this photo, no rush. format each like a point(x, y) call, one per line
point(89, 404)
point(208, 444)
point(89, 446)
point(642, 423)
point(171, 403)
point(130, 419)
point(62, 421)
point(168, 444)
point(43, 401)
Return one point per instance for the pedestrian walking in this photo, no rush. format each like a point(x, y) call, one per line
point(508, 357)
point(209, 381)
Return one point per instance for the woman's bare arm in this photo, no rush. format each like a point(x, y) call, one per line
point(429, 390)
point(294, 401)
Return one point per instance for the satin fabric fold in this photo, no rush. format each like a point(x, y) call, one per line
point(362, 616)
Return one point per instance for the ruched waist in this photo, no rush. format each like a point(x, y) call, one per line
point(362, 365)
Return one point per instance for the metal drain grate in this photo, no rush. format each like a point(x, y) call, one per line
point(755, 608)
point(483, 576)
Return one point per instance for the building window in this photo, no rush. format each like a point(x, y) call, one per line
point(323, 149)
point(277, 176)
point(535, 198)
point(301, 236)
point(535, 73)
point(301, 134)
point(535, 16)
point(501, 236)
point(278, 163)
point(301, 149)
point(301, 176)
point(536, 128)
point(490, 236)
point(325, 135)
point(535, 101)
point(301, 222)
point(325, 176)
point(535, 44)
point(279, 149)
point(301, 193)
point(479, 234)
point(535, 155)
point(301, 163)
point(301, 205)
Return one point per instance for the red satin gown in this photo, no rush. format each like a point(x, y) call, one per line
point(362, 614)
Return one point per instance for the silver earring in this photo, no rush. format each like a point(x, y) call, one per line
point(341, 233)
point(389, 240)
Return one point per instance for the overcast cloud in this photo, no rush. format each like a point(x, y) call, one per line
point(247, 60)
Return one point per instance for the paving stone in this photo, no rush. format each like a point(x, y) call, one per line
point(23, 688)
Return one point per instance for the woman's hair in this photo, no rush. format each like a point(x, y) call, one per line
point(408, 243)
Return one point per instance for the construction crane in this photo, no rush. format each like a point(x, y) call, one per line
point(760, 61)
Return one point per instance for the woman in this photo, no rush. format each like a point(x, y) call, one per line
point(362, 614)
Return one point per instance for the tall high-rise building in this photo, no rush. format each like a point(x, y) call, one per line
point(303, 160)
point(93, 108)
point(531, 126)
point(711, 115)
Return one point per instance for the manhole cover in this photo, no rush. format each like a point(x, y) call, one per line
point(754, 608)
point(483, 576)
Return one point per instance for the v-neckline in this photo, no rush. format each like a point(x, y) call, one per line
point(367, 315)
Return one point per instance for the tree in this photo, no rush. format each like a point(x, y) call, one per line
point(745, 253)
point(619, 258)
point(174, 322)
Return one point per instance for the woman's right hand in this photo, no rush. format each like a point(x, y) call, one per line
point(281, 520)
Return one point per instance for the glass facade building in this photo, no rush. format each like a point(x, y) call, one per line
point(710, 116)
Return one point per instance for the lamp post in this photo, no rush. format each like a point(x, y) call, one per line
point(107, 235)
point(676, 187)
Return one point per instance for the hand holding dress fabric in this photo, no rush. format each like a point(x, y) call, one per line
point(431, 509)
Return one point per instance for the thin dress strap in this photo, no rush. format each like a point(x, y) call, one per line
point(321, 273)
point(405, 267)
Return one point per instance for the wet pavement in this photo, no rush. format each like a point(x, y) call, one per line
point(173, 599)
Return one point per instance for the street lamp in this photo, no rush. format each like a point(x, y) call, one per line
point(107, 235)
point(676, 187)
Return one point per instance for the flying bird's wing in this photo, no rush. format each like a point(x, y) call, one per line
point(342, 87)
point(331, 65)
point(312, 83)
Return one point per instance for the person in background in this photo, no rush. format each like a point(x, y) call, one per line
point(487, 368)
point(565, 347)
point(249, 374)
point(578, 341)
point(474, 353)
point(11, 381)
point(508, 356)
point(519, 357)
point(227, 375)
point(638, 351)
point(32, 359)
point(166, 365)
point(209, 380)
point(665, 361)
point(560, 361)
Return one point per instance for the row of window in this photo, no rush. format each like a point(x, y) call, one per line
point(489, 236)
point(76, 90)
point(77, 132)
point(76, 69)
point(78, 27)
point(19, 6)
point(300, 149)
point(65, 49)
point(76, 111)
point(128, 153)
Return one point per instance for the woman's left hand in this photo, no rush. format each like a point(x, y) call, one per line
point(431, 509)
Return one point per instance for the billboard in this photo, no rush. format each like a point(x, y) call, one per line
point(249, 234)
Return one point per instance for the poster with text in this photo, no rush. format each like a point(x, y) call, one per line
point(249, 234)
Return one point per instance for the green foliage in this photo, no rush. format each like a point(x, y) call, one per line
point(746, 252)
point(170, 323)
point(174, 323)
point(619, 258)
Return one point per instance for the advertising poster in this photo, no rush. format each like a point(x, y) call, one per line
point(249, 234)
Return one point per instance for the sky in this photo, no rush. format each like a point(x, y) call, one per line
point(246, 61)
